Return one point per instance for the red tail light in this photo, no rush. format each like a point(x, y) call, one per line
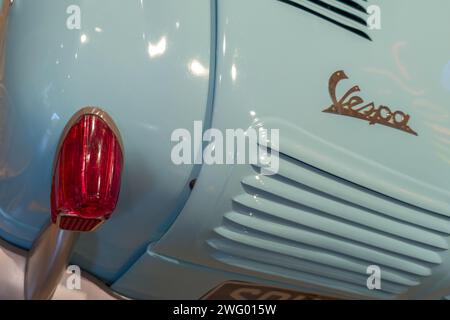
point(87, 173)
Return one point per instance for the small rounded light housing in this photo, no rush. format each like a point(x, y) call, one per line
point(87, 174)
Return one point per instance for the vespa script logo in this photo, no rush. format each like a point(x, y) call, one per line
point(354, 106)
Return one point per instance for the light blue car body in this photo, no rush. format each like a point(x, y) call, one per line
point(348, 194)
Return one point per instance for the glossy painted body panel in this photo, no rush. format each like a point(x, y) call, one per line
point(187, 280)
point(146, 63)
point(348, 194)
point(370, 194)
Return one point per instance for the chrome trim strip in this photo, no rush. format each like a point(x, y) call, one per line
point(12, 264)
point(47, 262)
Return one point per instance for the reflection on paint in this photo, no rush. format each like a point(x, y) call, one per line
point(157, 49)
point(84, 38)
point(197, 69)
point(233, 72)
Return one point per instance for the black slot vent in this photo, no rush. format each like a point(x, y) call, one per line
point(330, 12)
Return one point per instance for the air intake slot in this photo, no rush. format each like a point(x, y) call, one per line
point(347, 14)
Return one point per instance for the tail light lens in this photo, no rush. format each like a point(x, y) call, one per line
point(87, 174)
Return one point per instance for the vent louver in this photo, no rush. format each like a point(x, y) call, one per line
point(348, 14)
point(308, 225)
